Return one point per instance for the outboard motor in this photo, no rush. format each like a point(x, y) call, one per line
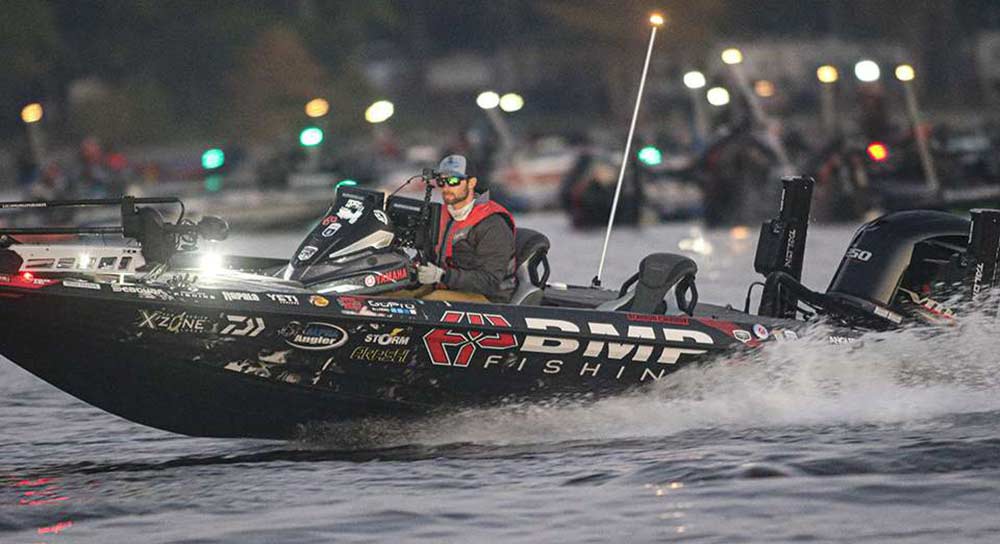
point(897, 262)
point(351, 250)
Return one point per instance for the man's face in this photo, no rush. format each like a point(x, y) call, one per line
point(458, 195)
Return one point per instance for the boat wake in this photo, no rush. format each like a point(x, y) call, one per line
point(903, 376)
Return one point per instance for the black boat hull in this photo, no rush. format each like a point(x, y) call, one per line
point(243, 364)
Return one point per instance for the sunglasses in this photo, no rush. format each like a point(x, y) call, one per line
point(450, 181)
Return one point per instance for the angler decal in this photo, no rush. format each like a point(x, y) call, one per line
point(241, 325)
point(235, 296)
point(173, 322)
point(463, 344)
point(313, 335)
point(281, 298)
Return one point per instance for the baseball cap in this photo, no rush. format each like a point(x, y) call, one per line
point(453, 165)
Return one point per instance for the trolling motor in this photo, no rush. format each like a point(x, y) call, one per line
point(782, 245)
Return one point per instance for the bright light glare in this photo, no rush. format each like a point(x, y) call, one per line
point(732, 56)
point(511, 102)
point(379, 111)
point(867, 71)
point(488, 100)
point(84, 261)
point(210, 263)
point(905, 72)
point(650, 155)
point(32, 113)
point(694, 80)
point(317, 107)
point(827, 74)
point(717, 96)
point(656, 19)
point(311, 136)
point(878, 151)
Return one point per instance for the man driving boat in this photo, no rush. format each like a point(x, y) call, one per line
point(475, 249)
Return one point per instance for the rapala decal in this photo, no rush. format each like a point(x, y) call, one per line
point(175, 323)
point(237, 296)
point(241, 325)
point(448, 347)
point(313, 335)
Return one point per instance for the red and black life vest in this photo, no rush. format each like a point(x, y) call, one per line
point(450, 226)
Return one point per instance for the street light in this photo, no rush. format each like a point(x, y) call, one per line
point(488, 100)
point(717, 96)
point(764, 88)
point(867, 71)
point(311, 136)
point(317, 107)
point(827, 74)
point(379, 111)
point(511, 102)
point(32, 113)
point(694, 80)
point(905, 72)
point(732, 56)
point(656, 19)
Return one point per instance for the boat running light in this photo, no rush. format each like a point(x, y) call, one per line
point(878, 151)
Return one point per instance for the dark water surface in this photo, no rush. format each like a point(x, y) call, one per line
point(895, 440)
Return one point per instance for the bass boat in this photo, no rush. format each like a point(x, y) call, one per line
point(136, 320)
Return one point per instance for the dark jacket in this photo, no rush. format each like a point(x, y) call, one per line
point(482, 254)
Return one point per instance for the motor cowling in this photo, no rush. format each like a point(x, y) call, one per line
point(912, 250)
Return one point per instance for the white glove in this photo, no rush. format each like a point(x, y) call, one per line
point(429, 274)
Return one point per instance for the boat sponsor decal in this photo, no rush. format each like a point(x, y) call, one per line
point(637, 349)
point(283, 298)
point(239, 296)
point(280, 366)
point(351, 304)
point(381, 216)
point(378, 307)
point(390, 276)
point(329, 220)
point(194, 294)
point(395, 307)
point(330, 230)
point(929, 308)
point(241, 325)
point(760, 331)
point(448, 347)
point(148, 293)
point(80, 284)
point(396, 337)
point(742, 335)
point(313, 335)
point(319, 301)
point(173, 322)
point(666, 319)
point(351, 211)
point(26, 280)
point(381, 355)
point(842, 340)
point(307, 253)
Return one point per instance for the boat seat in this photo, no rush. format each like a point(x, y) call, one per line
point(531, 249)
point(658, 273)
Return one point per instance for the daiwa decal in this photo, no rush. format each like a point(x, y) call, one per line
point(174, 322)
point(456, 348)
point(313, 336)
point(241, 325)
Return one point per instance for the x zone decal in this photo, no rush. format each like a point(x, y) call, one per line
point(438, 341)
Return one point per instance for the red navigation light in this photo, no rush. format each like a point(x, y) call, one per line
point(27, 276)
point(878, 151)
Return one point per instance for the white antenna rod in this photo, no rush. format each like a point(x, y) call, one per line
point(656, 20)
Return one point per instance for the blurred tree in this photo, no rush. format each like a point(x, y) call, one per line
point(28, 45)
